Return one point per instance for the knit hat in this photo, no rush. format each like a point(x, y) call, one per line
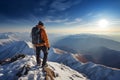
point(40, 23)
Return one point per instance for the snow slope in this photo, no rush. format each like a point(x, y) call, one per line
point(9, 71)
point(93, 71)
point(15, 47)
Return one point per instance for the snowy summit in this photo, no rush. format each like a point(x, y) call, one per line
point(12, 71)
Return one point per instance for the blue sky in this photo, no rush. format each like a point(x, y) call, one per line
point(59, 16)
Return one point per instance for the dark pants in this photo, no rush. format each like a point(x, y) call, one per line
point(45, 51)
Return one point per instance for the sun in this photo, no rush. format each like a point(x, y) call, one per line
point(103, 23)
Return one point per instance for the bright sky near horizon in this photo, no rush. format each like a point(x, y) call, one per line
point(61, 16)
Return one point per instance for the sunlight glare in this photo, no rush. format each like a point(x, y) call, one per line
point(103, 23)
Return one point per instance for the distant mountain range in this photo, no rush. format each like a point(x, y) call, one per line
point(83, 42)
point(103, 55)
point(92, 48)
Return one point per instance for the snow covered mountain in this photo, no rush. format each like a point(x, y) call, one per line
point(93, 48)
point(9, 48)
point(103, 55)
point(14, 47)
point(93, 71)
point(10, 71)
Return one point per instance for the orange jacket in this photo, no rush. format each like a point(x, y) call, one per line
point(44, 37)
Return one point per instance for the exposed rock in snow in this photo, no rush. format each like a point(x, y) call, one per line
point(10, 71)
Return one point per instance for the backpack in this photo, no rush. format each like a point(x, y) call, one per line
point(36, 36)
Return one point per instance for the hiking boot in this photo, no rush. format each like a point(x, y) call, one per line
point(38, 64)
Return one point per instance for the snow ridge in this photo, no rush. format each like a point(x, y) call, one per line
point(93, 71)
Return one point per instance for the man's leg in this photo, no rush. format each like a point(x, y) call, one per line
point(45, 51)
point(38, 55)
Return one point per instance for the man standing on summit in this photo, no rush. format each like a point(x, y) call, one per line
point(41, 42)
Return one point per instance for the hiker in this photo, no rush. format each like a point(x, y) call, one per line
point(40, 42)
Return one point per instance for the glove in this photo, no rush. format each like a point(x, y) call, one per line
point(48, 48)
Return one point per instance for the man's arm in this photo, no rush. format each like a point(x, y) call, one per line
point(46, 39)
